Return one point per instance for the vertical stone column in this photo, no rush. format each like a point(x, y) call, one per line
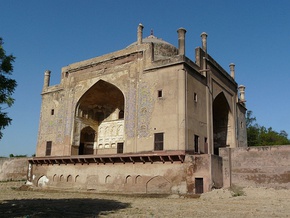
point(140, 34)
point(204, 41)
point(232, 70)
point(46, 79)
point(181, 41)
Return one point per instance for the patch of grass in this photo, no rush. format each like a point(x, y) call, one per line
point(237, 191)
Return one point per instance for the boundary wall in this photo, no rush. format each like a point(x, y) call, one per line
point(263, 166)
point(13, 169)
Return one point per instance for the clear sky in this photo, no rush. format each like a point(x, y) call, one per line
point(253, 34)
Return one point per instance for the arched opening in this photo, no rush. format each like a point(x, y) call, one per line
point(87, 141)
point(221, 111)
point(108, 179)
point(99, 113)
point(138, 179)
point(54, 178)
point(128, 179)
point(158, 184)
point(69, 178)
point(42, 181)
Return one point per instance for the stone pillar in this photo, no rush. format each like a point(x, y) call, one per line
point(181, 41)
point(242, 93)
point(204, 43)
point(232, 69)
point(46, 79)
point(139, 34)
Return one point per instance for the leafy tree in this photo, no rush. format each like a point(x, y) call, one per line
point(7, 86)
point(260, 135)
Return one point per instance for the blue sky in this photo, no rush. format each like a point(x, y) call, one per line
point(254, 34)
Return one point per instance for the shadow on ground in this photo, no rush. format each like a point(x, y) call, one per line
point(59, 207)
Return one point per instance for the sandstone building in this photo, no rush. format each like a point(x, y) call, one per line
point(145, 119)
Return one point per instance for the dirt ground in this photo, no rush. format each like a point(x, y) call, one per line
point(247, 202)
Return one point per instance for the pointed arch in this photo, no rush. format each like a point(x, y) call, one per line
point(221, 120)
point(100, 101)
point(97, 110)
point(128, 179)
point(42, 181)
point(138, 179)
point(158, 184)
point(69, 178)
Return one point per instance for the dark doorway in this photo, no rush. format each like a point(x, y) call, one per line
point(221, 112)
point(87, 141)
point(81, 149)
point(120, 147)
point(198, 185)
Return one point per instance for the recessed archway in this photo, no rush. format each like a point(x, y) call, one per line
point(221, 116)
point(103, 101)
point(100, 108)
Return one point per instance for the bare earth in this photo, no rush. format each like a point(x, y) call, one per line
point(251, 202)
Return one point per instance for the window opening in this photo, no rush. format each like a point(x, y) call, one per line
point(160, 94)
point(196, 149)
point(121, 114)
point(52, 112)
point(205, 145)
point(48, 148)
point(195, 97)
point(158, 141)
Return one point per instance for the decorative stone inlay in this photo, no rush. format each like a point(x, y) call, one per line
point(130, 111)
point(110, 133)
point(145, 108)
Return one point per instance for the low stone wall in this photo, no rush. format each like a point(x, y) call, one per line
point(157, 177)
point(13, 169)
point(7, 185)
point(265, 166)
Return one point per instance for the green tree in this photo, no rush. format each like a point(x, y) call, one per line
point(252, 129)
point(7, 86)
point(260, 135)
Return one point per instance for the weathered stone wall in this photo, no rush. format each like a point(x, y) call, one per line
point(265, 166)
point(13, 169)
point(216, 172)
point(157, 177)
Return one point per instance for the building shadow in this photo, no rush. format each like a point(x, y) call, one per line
point(59, 207)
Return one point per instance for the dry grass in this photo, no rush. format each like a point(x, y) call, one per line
point(218, 203)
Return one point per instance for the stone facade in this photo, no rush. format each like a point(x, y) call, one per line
point(145, 113)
